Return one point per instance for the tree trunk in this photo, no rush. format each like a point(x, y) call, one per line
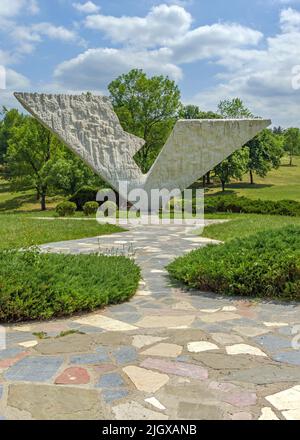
point(223, 185)
point(203, 181)
point(43, 202)
point(251, 177)
point(208, 178)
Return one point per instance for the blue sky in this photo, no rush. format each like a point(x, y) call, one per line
point(214, 49)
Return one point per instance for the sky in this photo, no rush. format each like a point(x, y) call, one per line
point(213, 49)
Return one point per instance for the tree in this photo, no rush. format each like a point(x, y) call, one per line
point(31, 147)
point(146, 107)
point(234, 108)
point(265, 153)
point(10, 119)
point(234, 166)
point(292, 142)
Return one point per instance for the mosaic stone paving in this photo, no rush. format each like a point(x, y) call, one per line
point(166, 354)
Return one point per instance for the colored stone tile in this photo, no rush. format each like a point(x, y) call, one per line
point(28, 344)
point(74, 376)
point(163, 349)
point(34, 369)
point(10, 352)
point(135, 411)
point(92, 359)
point(250, 332)
point(112, 395)
point(125, 355)
point(267, 414)
point(266, 374)
point(273, 343)
point(146, 380)
point(291, 414)
point(244, 349)
point(177, 368)
point(288, 399)
point(240, 399)
point(6, 363)
point(140, 341)
point(105, 368)
point(105, 323)
point(156, 403)
point(241, 416)
point(111, 380)
point(226, 338)
point(199, 346)
point(289, 357)
point(166, 321)
point(220, 317)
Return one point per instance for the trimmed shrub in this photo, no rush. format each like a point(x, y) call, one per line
point(235, 204)
point(83, 195)
point(90, 208)
point(43, 286)
point(66, 209)
point(265, 265)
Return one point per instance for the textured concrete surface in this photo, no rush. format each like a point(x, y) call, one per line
point(152, 358)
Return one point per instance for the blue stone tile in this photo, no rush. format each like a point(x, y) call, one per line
point(273, 343)
point(93, 358)
point(34, 369)
point(10, 352)
point(112, 395)
point(289, 357)
point(125, 354)
point(111, 380)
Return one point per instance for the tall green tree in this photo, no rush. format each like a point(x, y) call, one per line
point(10, 119)
point(265, 153)
point(292, 142)
point(234, 108)
point(234, 167)
point(31, 148)
point(146, 107)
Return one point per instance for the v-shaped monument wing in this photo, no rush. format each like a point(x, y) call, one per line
point(88, 125)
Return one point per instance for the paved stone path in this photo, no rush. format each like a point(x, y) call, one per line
point(166, 354)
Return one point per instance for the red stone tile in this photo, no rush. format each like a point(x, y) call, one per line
point(74, 376)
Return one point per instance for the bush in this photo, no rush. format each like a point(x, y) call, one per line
point(90, 208)
point(263, 265)
point(83, 195)
point(43, 286)
point(233, 203)
point(66, 209)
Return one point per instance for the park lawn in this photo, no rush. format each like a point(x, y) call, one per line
point(280, 184)
point(243, 225)
point(22, 230)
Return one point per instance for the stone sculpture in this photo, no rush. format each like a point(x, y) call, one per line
point(88, 125)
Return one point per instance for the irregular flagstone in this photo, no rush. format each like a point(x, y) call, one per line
point(125, 355)
point(74, 343)
point(112, 339)
point(274, 343)
point(111, 380)
point(292, 414)
point(146, 380)
point(267, 414)
point(209, 310)
point(156, 403)
point(1, 391)
point(105, 323)
point(140, 341)
point(266, 374)
point(276, 324)
point(288, 399)
point(89, 358)
point(289, 357)
point(240, 398)
point(46, 402)
point(135, 411)
point(6, 363)
point(112, 395)
point(165, 321)
point(28, 344)
point(176, 368)
point(199, 346)
point(244, 349)
point(10, 352)
point(241, 416)
point(73, 375)
point(164, 350)
point(183, 305)
point(105, 368)
point(220, 317)
point(226, 338)
point(34, 369)
point(220, 361)
point(250, 331)
point(198, 411)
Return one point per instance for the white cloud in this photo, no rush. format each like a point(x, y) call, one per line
point(10, 8)
point(54, 32)
point(160, 26)
point(95, 68)
point(290, 20)
point(87, 8)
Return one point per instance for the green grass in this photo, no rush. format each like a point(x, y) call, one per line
point(44, 286)
point(263, 265)
point(243, 225)
point(22, 230)
point(280, 184)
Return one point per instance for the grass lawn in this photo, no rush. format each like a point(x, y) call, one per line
point(21, 230)
point(280, 184)
point(243, 225)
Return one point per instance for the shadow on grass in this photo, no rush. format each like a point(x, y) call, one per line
point(17, 202)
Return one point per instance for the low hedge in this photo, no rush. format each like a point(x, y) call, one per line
point(266, 265)
point(43, 286)
point(64, 209)
point(232, 203)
